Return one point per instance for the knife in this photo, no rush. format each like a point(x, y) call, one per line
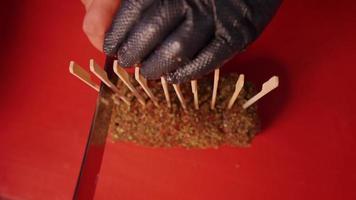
point(95, 146)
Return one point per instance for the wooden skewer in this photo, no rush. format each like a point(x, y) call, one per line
point(180, 95)
point(143, 82)
point(215, 88)
point(194, 84)
point(267, 87)
point(166, 92)
point(239, 84)
point(125, 77)
point(83, 75)
point(102, 75)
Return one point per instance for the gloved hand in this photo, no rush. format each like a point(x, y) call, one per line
point(184, 39)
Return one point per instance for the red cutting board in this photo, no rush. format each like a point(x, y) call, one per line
point(307, 149)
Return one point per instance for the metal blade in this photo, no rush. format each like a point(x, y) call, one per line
point(94, 150)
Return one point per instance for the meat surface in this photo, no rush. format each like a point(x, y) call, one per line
point(174, 127)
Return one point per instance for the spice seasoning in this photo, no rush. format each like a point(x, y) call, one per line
point(173, 127)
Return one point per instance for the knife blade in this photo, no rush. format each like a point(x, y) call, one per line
point(95, 146)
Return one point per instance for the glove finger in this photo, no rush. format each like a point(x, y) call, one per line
point(128, 14)
point(158, 21)
point(180, 47)
point(206, 61)
point(231, 36)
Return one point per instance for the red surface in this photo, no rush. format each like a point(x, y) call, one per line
point(306, 151)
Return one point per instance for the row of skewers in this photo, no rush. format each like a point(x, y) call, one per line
point(124, 76)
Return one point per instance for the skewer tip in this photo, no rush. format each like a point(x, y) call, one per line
point(272, 83)
point(180, 96)
point(215, 88)
point(92, 64)
point(267, 87)
point(71, 66)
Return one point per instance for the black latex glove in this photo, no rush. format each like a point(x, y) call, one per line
point(184, 39)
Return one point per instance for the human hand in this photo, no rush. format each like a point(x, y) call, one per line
point(98, 18)
point(184, 39)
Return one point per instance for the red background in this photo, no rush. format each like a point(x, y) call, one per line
point(307, 149)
